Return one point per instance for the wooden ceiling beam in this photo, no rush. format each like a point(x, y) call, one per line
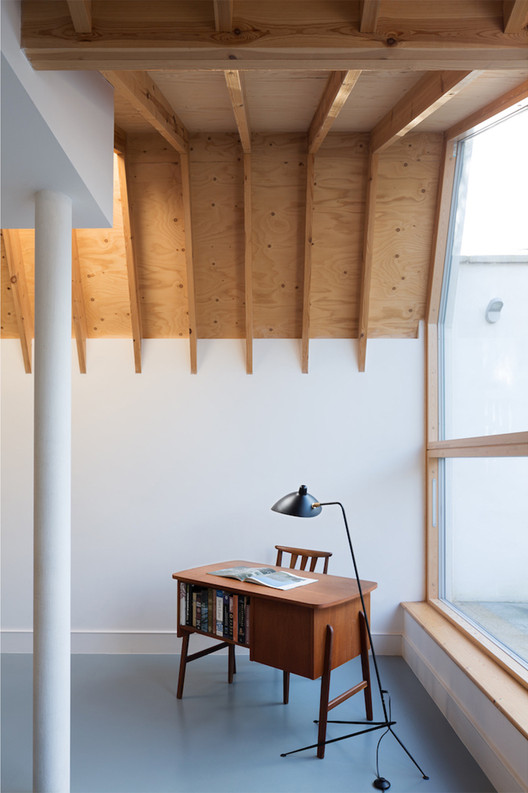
point(337, 91)
point(248, 261)
point(78, 309)
point(165, 35)
point(236, 95)
point(431, 92)
point(308, 245)
point(516, 96)
point(189, 261)
point(515, 15)
point(131, 265)
point(17, 277)
point(368, 259)
point(81, 15)
point(145, 96)
point(223, 13)
point(369, 15)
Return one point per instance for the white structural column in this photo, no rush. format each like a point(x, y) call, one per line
point(52, 494)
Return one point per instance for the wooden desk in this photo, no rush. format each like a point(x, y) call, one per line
point(307, 631)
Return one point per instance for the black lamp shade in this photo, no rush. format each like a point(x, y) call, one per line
point(298, 504)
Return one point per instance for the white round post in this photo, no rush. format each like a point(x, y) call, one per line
point(52, 494)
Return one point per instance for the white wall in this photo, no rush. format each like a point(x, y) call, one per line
point(173, 470)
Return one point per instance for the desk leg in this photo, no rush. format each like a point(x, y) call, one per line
point(183, 664)
point(325, 692)
point(365, 666)
point(285, 687)
point(231, 663)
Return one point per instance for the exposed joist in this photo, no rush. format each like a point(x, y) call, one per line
point(369, 10)
point(248, 262)
point(337, 91)
point(17, 278)
point(78, 310)
point(308, 245)
point(515, 15)
point(81, 15)
point(133, 286)
point(223, 13)
point(513, 444)
point(368, 258)
point(517, 96)
point(145, 96)
point(431, 92)
point(189, 261)
point(236, 94)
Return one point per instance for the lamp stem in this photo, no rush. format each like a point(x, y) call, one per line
point(367, 622)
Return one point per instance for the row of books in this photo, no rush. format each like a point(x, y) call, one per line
point(215, 611)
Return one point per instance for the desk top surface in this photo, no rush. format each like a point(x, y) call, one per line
point(329, 590)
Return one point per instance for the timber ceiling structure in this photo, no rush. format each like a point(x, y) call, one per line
point(279, 164)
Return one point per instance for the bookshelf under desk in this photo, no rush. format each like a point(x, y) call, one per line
point(307, 631)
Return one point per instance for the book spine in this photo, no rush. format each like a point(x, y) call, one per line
point(248, 599)
point(211, 606)
point(225, 622)
point(204, 610)
point(219, 612)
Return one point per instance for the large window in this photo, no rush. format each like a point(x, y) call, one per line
point(483, 388)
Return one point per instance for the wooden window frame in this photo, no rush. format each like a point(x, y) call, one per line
point(507, 445)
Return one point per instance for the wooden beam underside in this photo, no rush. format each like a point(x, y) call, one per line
point(81, 15)
point(337, 91)
point(515, 15)
point(169, 36)
point(430, 93)
point(145, 96)
point(236, 95)
point(223, 12)
point(517, 96)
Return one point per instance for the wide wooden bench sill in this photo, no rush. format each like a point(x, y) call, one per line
point(507, 688)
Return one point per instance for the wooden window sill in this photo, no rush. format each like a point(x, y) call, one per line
point(504, 683)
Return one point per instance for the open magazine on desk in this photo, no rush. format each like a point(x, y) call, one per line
point(267, 576)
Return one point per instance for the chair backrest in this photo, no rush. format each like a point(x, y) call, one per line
point(302, 555)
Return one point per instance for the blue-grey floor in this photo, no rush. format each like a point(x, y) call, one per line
point(131, 735)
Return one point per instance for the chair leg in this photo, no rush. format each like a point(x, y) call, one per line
point(285, 687)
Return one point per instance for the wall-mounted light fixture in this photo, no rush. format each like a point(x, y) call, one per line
point(494, 309)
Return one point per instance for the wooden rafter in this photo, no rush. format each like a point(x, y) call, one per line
point(120, 140)
point(368, 258)
point(369, 15)
point(17, 277)
point(248, 262)
point(516, 96)
point(337, 91)
point(236, 94)
point(133, 286)
point(308, 245)
point(149, 101)
point(515, 15)
point(81, 15)
point(431, 92)
point(191, 300)
point(78, 310)
point(223, 12)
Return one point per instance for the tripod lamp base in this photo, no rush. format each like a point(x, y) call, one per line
point(381, 783)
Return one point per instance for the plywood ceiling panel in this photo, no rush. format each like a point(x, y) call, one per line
point(373, 94)
point(200, 99)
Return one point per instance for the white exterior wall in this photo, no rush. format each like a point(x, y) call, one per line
point(172, 470)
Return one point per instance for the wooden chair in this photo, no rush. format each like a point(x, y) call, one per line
point(303, 556)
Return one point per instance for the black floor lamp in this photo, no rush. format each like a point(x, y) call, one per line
point(302, 505)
